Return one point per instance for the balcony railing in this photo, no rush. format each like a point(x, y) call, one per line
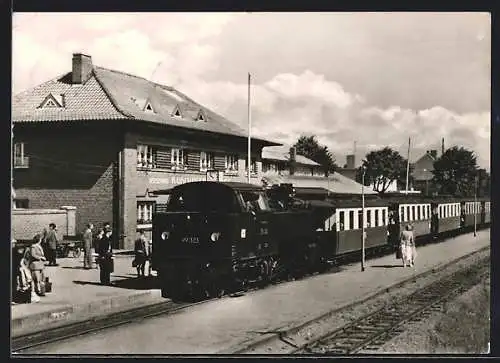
point(21, 162)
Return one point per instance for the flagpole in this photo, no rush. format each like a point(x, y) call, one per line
point(249, 132)
point(408, 167)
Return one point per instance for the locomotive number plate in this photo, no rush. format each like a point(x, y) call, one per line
point(190, 240)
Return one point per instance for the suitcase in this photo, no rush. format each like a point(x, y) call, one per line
point(22, 297)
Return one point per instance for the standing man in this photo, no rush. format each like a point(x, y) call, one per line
point(51, 241)
point(105, 251)
point(87, 246)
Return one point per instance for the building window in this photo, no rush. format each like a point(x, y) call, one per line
point(146, 157)
point(206, 161)
point(178, 159)
point(149, 108)
point(253, 167)
point(20, 159)
point(21, 204)
point(231, 163)
point(341, 221)
point(145, 212)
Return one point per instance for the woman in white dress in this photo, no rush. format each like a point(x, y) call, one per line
point(407, 246)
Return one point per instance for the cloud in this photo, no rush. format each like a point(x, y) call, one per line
point(298, 87)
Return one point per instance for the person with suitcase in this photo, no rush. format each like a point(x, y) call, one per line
point(105, 251)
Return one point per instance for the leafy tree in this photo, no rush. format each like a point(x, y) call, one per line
point(455, 172)
point(309, 147)
point(484, 183)
point(382, 167)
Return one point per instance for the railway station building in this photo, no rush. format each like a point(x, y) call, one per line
point(103, 141)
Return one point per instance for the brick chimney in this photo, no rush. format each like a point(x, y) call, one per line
point(82, 68)
point(293, 154)
point(350, 161)
point(293, 158)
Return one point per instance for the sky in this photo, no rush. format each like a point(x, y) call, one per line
point(370, 79)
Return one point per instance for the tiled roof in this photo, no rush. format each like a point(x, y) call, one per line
point(282, 153)
point(81, 102)
point(336, 183)
point(111, 94)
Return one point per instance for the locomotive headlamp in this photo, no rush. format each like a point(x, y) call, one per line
point(215, 236)
point(165, 235)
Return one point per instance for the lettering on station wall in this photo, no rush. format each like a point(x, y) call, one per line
point(186, 179)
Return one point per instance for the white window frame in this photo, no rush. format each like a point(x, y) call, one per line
point(21, 160)
point(206, 160)
point(146, 156)
point(231, 163)
point(178, 159)
point(145, 214)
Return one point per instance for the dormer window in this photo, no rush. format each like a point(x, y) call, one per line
point(200, 116)
point(52, 101)
point(177, 112)
point(148, 107)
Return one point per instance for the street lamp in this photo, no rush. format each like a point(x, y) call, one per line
point(363, 219)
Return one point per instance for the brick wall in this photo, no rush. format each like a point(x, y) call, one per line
point(26, 223)
point(68, 166)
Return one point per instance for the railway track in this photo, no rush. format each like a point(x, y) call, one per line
point(369, 332)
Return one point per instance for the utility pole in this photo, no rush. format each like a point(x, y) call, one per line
point(475, 206)
point(249, 131)
point(408, 167)
point(363, 220)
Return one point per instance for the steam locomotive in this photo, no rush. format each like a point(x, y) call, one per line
point(213, 237)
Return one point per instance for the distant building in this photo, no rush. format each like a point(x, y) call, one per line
point(281, 164)
point(422, 171)
point(103, 140)
point(349, 170)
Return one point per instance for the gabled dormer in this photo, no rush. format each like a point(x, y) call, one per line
point(201, 116)
point(177, 112)
point(52, 101)
point(148, 107)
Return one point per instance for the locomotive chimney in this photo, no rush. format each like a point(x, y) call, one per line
point(82, 68)
point(442, 146)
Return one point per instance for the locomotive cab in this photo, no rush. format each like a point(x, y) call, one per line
point(211, 233)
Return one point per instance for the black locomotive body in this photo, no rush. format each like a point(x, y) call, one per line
point(216, 236)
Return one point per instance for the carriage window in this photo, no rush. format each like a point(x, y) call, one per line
point(401, 213)
point(413, 213)
point(341, 220)
point(376, 217)
point(360, 219)
point(368, 218)
point(351, 219)
point(408, 217)
point(384, 212)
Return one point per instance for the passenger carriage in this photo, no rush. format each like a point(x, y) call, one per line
point(449, 214)
point(472, 212)
point(487, 212)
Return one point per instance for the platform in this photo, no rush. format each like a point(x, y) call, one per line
point(77, 294)
point(228, 324)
